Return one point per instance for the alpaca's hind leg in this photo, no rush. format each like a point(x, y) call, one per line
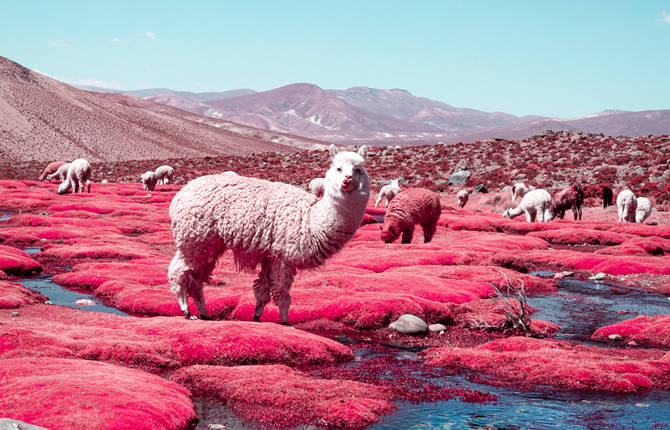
point(428, 231)
point(281, 279)
point(407, 234)
point(530, 215)
point(262, 289)
point(379, 199)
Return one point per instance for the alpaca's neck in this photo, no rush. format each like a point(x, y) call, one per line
point(338, 213)
point(515, 211)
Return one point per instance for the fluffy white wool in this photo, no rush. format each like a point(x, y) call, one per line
point(643, 209)
point(535, 204)
point(164, 174)
point(626, 205)
point(388, 192)
point(78, 177)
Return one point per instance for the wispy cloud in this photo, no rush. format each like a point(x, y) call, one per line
point(60, 43)
point(665, 17)
point(113, 40)
point(93, 82)
point(150, 35)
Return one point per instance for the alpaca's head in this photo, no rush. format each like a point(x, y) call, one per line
point(394, 183)
point(347, 173)
point(507, 213)
point(391, 230)
point(64, 186)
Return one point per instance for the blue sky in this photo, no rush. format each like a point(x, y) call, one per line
point(556, 58)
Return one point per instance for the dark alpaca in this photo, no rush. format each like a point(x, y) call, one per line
point(571, 197)
point(607, 195)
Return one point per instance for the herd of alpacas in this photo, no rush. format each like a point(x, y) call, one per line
point(284, 228)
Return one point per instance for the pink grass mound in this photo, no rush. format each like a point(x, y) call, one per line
point(580, 236)
point(523, 361)
point(643, 330)
point(649, 245)
point(279, 397)
point(13, 261)
point(69, 394)
point(14, 295)
point(156, 344)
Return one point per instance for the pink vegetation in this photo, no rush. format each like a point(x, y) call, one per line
point(16, 262)
point(643, 330)
point(82, 394)
point(277, 396)
point(411, 206)
point(13, 295)
point(522, 361)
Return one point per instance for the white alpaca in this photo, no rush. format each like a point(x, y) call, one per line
point(462, 198)
point(277, 225)
point(316, 186)
point(149, 180)
point(164, 174)
point(643, 209)
point(519, 190)
point(626, 204)
point(387, 192)
point(60, 173)
point(535, 204)
point(78, 177)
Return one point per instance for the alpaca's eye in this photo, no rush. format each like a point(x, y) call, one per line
point(339, 170)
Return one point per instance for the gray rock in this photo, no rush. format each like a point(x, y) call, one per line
point(15, 314)
point(640, 170)
point(459, 178)
point(409, 324)
point(10, 424)
point(437, 327)
point(615, 337)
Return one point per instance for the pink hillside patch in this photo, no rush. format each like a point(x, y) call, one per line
point(67, 394)
point(279, 397)
point(14, 295)
point(643, 330)
point(159, 343)
point(16, 262)
point(527, 362)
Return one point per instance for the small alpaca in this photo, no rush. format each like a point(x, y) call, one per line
point(519, 190)
point(277, 225)
point(60, 173)
point(607, 196)
point(571, 197)
point(626, 204)
point(50, 169)
point(149, 180)
point(164, 174)
point(388, 192)
point(316, 186)
point(78, 177)
point(411, 206)
point(643, 209)
point(536, 203)
point(462, 198)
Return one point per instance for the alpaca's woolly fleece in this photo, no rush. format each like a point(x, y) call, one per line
point(462, 198)
point(278, 225)
point(410, 207)
point(78, 177)
point(388, 192)
point(607, 195)
point(149, 180)
point(535, 204)
point(519, 190)
point(164, 174)
point(50, 169)
point(316, 186)
point(643, 209)
point(571, 197)
point(626, 204)
point(60, 173)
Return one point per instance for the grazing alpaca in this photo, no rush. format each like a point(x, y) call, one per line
point(316, 186)
point(60, 173)
point(277, 225)
point(387, 192)
point(571, 197)
point(607, 196)
point(462, 198)
point(535, 204)
point(164, 174)
point(51, 168)
point(643, 209)
point(410, 207)
point(626, 204)
point(78, 177)
point(149, 180)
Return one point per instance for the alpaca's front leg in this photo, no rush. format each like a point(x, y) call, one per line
point(262, 289)
point(379, 199)
point(281, 279)
point(408, 234)
point(428, 232)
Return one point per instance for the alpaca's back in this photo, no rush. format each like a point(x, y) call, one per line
point(418, 204)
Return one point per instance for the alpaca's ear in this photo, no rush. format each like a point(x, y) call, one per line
point(333, 150)
point(363, 151)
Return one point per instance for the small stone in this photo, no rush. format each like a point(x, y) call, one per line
point(217, 426)
point(48, 302)
point(632, 343)
point(642, 405)
point(564, 274)
point(409, 324)
point(15, 314)
point(598, 276)
point(437, 327)
point(615, 337)
point(85, 302)
point(10, 424)
point(459, 178)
